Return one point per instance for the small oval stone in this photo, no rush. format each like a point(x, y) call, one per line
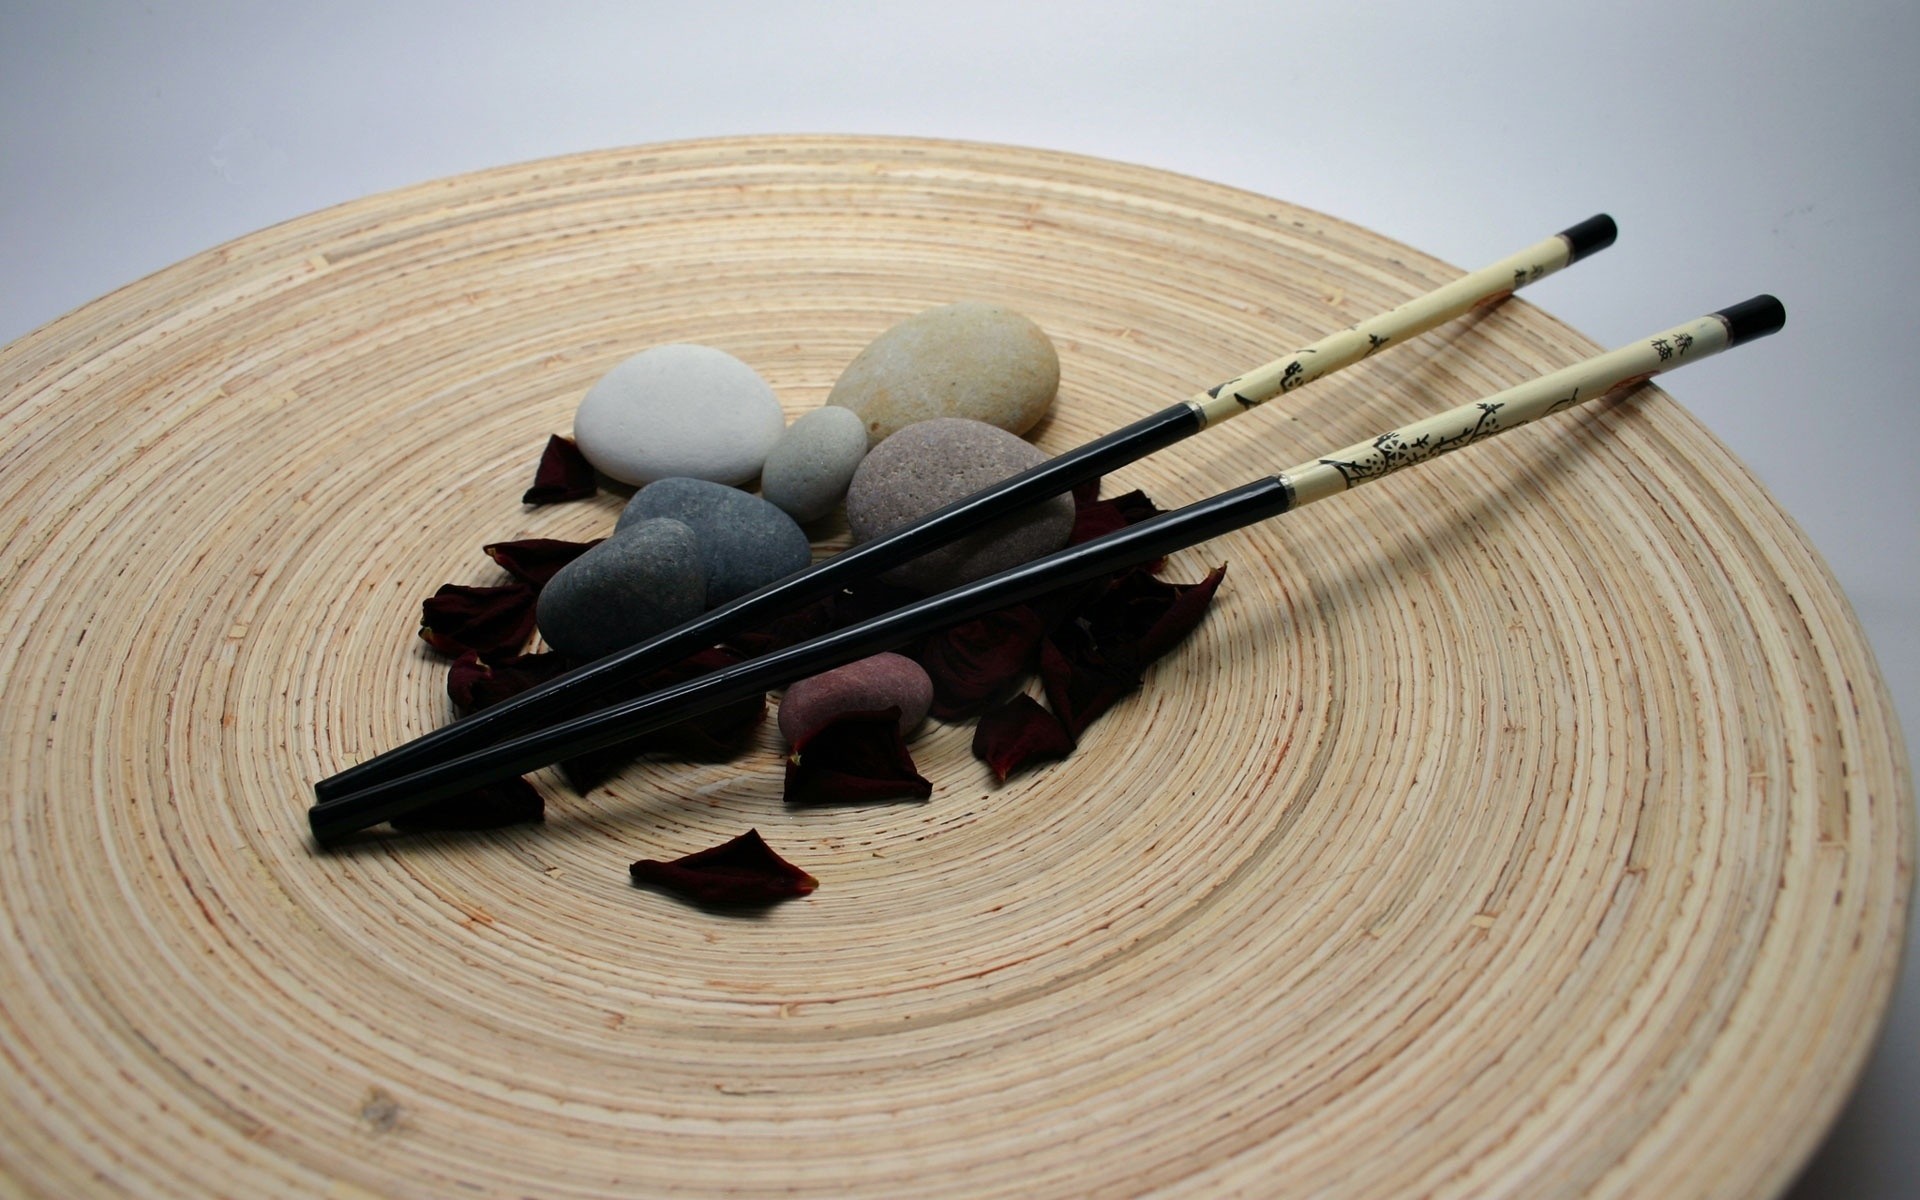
point(869, 684)
point(971, 359)
point(933, 463)
point(744, 541)
point(809, 468)
point(643, 580)
point(679, 410)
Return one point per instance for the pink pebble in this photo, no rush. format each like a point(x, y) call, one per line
point(882, 681)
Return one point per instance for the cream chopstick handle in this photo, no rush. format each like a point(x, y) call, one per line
point(1348, 346)
point(1629, 366)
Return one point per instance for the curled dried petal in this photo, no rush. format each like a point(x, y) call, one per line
point(1018, 733)
point(1100, 517)
point(856, 757)
point(536, 560)
point(1179, 614)
point(1090, 662)
point(744, 872)
point(475, 683)
point(975, 661)
point(1081, 682)
point(485, 620)
point(564, 474)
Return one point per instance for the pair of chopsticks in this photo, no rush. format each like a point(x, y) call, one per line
point(520, 734)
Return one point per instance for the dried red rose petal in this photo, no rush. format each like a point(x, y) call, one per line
point(489, 806)
point(536, 560)
point(564, 474)
point(739, 873)
point(1018, 733)
point(858, 756)
point(1090, 662)
point(1081, 683)
point(485, 620)
point(1100, 517)
point(975, 661)
point(1152, 614)
point(475, 683)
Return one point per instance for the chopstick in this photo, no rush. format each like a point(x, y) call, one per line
point(1205, 410)
point(1313, 480)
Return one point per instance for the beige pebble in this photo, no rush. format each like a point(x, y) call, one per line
point(974, 360)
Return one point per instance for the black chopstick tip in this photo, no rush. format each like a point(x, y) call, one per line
point(1590, 236)
point(1755, 318)
point(330, 823)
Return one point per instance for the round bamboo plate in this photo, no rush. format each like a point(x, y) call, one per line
point(1533, 823)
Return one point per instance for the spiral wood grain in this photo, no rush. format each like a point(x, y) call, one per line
point(1531, 824)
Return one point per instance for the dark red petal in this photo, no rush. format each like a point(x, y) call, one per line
point(536, 560)
point(1018, 733)
point(475, 683)
point(740, 873)
point(1089, 662)
point(564, 474)
point(507, 802)
point(1081, 682)
point(1104, 516)
point(856, 757)
point(486, 620)
point(975, 661)
point(1179, 618)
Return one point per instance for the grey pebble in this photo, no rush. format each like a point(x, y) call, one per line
point(809, 468)
point(971, 359)
point(865, 685)
point(744, 541)
point(643, 580)
point(933, 463)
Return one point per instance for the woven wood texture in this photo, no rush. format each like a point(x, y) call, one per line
point(1533, 823)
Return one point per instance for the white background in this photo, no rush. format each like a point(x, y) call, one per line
point(1742, 147)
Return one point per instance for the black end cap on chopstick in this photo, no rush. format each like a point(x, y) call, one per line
point(1755, 318)
point(1590, 236)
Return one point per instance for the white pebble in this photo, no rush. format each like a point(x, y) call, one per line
point(679, 411)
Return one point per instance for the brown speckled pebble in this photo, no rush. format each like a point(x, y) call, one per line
point(867, 685)
point(934, 463)
point(971, 359)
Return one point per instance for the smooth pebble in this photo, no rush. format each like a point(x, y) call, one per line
point(933, 463)
point(744, 541)
point(970, 359)
point(679, 410)
point(867, 685)
point(643, 580)
point(809, 468)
